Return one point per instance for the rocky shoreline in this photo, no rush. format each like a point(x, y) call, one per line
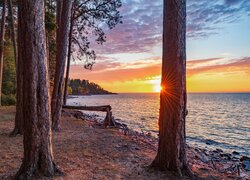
point(212, 164)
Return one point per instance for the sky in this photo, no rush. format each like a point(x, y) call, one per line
point(218, 48)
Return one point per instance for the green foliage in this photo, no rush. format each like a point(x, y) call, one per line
point(50, 26)
point(84, 87)
point(9, 76)
point(69, 90)
point(8, 100)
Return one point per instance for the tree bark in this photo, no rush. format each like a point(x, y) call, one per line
point(38, 156)
point(18, 127)
point(2, 46)
point(69, 58)
point(171, 153)
point(62, 44)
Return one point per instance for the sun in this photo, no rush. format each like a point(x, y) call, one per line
point(157, 88)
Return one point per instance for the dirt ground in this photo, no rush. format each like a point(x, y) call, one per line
point(83, 152)
point(86, 151)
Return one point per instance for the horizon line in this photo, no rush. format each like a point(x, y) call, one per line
point(219, 92)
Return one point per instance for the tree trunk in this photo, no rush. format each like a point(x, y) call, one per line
point(171, 153)
point(18, 127)
point(62, 44)
point(13, 34)
point(2, 46)
point(38, 156)
point(69, 57)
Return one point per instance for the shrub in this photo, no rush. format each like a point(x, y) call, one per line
point(8, 100)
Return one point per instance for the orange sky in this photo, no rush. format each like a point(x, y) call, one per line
point(206, 75)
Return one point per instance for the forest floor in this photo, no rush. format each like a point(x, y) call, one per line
point(85, 150)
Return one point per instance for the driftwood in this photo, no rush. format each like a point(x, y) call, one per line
point(109, 119)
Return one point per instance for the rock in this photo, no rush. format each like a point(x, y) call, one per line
point(219, 150)
point(196, 149)
point(244, 158)
point(246, 165)
point(235, 159)
point(78, 115)
point(210, 142)
point(226, 155)
point(204, 158)
point(235, 153)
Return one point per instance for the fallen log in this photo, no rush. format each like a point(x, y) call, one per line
point(104, 108)
point(109, 119)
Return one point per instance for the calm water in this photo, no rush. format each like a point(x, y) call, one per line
point(222, 120)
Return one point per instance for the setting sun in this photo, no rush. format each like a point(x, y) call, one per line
point(157, 88)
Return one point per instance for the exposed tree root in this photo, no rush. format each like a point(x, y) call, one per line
point(185, 171)
point(32, 172)
point(15, 132)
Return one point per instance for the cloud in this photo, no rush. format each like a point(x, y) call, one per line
point(232, 2)
point(140, 31)
point(204, 18)
point(142, 23)
point(113, 71)
point(218, 65)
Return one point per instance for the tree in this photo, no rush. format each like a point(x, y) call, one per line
point(38, 156)
point(171, 154)
point(63, 20)
point(69, 54)
point(2, 45)
point(89, 17)
point(18, 127)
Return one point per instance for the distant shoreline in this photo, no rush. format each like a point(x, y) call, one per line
point(73, 95)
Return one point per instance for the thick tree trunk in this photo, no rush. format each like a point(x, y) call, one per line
point(68, 59)
point(18, 129)
point(13, 34)
point(2, 46)
point(38, 156)
point(171, 153)
point(62, 44)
